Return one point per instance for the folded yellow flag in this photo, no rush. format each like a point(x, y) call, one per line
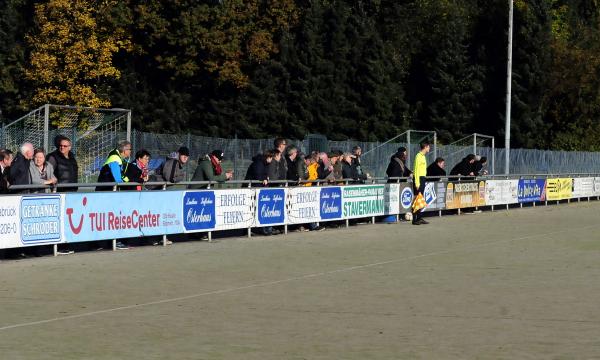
point(419, 203)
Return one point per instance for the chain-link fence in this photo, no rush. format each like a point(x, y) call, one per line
point(93, 132)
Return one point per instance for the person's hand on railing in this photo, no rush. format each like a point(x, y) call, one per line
point(229, 174)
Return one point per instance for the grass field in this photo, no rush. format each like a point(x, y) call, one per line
point(518, 284)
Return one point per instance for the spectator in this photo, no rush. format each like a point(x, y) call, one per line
point(292, 160)
point(6, 157)
point(301, 167)
point(335, 159)
point(419, 175)
point(278, 167)
point(348, 170)
point(209, 169)
point(258, 169)
point(478, 166)
point(64, 163)
point(312, 168)
point(173, 170)
point(397, 166)
point(275, 170)
point(115, 166)
point(465, 167)
point(357, 164)
point(41, 171)
point(325, 168)
point(437, 168)
point(19, 169)
point(138, 171)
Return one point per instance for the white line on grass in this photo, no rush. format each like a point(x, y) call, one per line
point(269, 283)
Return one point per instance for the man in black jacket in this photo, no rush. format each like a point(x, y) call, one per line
point(292, 159)
point(258, 170)
point(437, 168)
point(397, 166)
point(465, 167)
point(357, 164)
point(19, 169)
point(64, 163)
point(6, 158)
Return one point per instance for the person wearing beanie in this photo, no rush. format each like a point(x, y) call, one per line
point(209, 169)
point(173, 170)
point(397, 166)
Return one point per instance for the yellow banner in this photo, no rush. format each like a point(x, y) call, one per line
point(559, 189)
point(465, 194)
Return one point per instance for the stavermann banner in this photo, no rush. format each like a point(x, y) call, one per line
point(363, 201)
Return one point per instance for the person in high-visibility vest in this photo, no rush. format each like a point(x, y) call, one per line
point(115, 166)
point(420, 172)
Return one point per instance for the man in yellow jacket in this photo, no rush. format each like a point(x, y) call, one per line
point(420, 172)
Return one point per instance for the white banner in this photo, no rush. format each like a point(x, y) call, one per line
point(392, 199)
point(597, 186)
point(10, 223)
point(234, 208)
point(583, 187)
point(304, 205)
point(500, 192)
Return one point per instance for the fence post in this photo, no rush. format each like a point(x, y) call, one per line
point(46, 126)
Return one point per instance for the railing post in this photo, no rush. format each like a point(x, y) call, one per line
point(164, 237)
point(285, 226)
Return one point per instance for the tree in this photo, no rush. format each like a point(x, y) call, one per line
point(72, 52)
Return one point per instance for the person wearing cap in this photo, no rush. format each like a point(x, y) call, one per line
point(348, 171)
point(397, 166)
point(335, 160)
point(173, 169)
point(356, 163)
point(209, 169)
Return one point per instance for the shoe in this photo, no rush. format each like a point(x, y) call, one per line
point(121, 246)
point(319, 228)
point(416, 222)
point(65, 252)
point(275, 232)
point(423, 221)
point(204, 237)
point(302, 229)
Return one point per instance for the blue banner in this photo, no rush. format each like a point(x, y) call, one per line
point(331, 203)
point(271, 206)
point(40, 219)
point(122, 214)
point(199, 210)
point(532, 190)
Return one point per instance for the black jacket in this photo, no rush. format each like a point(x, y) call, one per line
point(477, 166)
point(4, 174)
point(65, 169)
point(258, 169)
point(357, 166)
point(292, 168)
point(349, 171)
point(435, 170)
point(19, 171)
point(277, 170)
point(322, 171)
point(463, 168)
point(397, 168)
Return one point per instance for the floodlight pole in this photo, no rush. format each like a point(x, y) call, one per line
point(508, 90)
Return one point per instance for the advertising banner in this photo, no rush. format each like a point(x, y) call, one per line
point(559, 189)
point(363, 201)
point(199, 211)
point(465, 194)
point(500, 192)
point(435, 195)
point(583, 187)
point(406, 197)
point(234, 208)
point(41, 219)
point(391, 196)
point(532, 190)
point(270, 208)
point(304, 205)
point(123, 214)
point(330, 203)
point(597, 186)
point(10, 223)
